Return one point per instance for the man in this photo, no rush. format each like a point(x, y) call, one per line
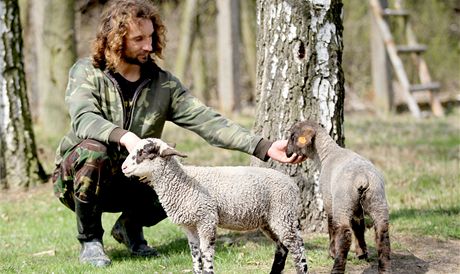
point(115, 98)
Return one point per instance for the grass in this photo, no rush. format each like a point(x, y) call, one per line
point(420, 160)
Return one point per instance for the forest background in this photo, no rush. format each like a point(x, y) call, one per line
point(442, 39)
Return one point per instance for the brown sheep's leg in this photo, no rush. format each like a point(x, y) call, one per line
point(343, 242)
point(359, 228)
point(331, 229)
point(382, 241)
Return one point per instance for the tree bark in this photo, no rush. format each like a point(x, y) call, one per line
point(299, 76)
point(248, 34)
point(19, 166)
point(200, 78)
point(58, 55)
point(228, 41)
point(187, 35)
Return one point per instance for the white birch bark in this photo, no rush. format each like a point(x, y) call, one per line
point(299, 76)
point(19, 166)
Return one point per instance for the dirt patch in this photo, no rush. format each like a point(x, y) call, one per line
point(414, 255)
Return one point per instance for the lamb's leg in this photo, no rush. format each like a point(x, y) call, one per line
point(295, 245)
point(194, 244)
point(382, 239)
point(343, 242)
point(332, 231)
point(207, 234)
point(359, 228)
point(375, 204)
point(280, 254)
point(289, 239)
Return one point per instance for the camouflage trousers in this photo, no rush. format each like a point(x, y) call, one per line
point(91, 172)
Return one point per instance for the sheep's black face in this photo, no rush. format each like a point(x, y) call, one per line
point(301, 140)
point(150, 151)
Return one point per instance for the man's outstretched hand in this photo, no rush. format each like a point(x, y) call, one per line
point(277, 152)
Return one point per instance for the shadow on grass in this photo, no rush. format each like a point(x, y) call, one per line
point(175, 247)
point(401, 263)
point(225, 242)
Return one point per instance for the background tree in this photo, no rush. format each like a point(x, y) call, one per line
point(55, 60)
point(19, 166)
point(50, 50)
point(299, 76)
point(228, 42)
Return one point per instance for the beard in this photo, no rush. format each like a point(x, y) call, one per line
point(136, 60)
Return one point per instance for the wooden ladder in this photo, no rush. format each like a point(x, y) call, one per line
point(394, 53)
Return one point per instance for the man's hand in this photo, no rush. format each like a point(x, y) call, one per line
point(277, 152)
point(129, 141)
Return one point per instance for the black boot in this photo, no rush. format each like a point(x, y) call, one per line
point(90, 234)
point(131, 235)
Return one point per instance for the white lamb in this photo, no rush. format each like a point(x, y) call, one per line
point(200, 199)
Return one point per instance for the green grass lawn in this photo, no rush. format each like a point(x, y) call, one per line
point(420, 160)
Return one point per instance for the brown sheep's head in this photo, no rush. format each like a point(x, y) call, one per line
point(301, 140)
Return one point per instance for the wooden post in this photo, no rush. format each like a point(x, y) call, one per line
point(228, 58)
point(381, 67)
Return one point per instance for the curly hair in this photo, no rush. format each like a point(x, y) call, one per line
point(117, 15)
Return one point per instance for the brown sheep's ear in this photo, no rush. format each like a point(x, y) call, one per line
point(172, 152)
point(305, 138)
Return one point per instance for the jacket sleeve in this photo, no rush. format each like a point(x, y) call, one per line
point(190, 113)
point(83, 101)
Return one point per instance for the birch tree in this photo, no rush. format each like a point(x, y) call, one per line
point(19, 166)
point(299, 76)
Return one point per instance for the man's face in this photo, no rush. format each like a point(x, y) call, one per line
point(138, 42)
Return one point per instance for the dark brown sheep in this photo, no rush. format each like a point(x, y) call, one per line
point(351, 187)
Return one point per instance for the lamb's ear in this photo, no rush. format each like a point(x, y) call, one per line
point(173, 145)
point(172, 152)
point(305, 138)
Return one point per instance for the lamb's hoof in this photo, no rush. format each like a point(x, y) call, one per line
point(93, 253)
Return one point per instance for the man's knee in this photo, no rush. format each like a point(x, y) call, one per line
point(90, 166)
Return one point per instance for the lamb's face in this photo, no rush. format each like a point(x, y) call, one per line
point(301, 140)
point(140, 162)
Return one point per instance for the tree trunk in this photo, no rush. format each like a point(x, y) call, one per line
point(248, 29)
point(228, 42)
point(200, 78)
point(30, 10)
point(19, 166)
point(187, 35)
point(55, 60)
point(299, 76)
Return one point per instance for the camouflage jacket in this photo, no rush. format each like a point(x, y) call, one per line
point(96, 108)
